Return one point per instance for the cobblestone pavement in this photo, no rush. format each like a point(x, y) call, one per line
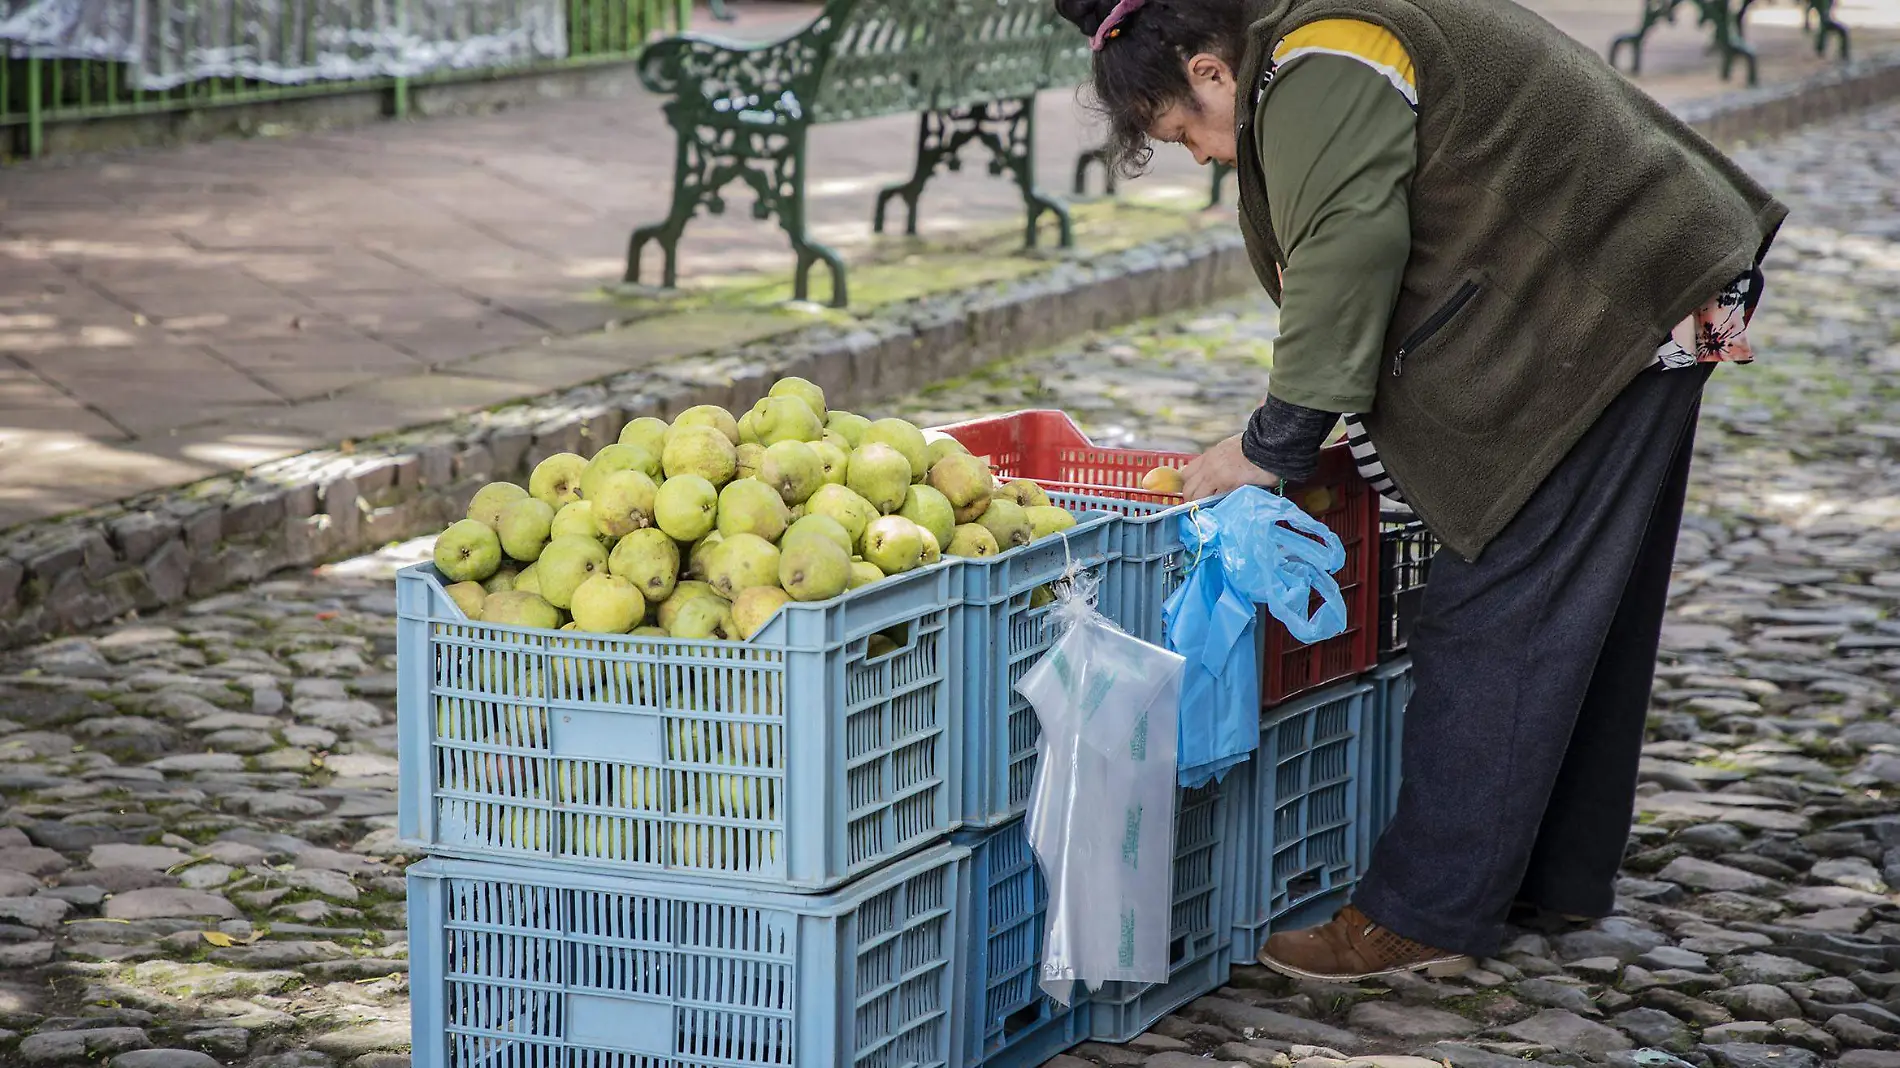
point(197, 864)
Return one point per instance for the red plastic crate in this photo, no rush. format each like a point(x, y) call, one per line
point(1048, 448)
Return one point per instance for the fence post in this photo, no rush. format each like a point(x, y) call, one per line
point(35, 115)
point(399, 99)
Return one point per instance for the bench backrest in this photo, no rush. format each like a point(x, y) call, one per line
point(888, 56)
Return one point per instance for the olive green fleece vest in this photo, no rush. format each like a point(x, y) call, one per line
point(1562, 223)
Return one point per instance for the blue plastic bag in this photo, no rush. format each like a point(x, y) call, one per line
point(1252, 547)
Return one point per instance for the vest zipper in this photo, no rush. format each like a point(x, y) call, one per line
point(1432, 325)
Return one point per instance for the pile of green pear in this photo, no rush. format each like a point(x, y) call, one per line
point(705, 527)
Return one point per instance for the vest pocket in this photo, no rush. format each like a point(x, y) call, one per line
point(1434, 323)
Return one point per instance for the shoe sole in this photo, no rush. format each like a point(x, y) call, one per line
point(1440, 968)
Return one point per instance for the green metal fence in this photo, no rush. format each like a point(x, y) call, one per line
point(37, 93)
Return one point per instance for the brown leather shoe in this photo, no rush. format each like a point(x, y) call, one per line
point(1350, 948)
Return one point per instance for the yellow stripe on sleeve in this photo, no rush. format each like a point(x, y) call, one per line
point(1367, 42)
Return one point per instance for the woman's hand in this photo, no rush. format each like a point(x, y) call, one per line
point(1221, 469)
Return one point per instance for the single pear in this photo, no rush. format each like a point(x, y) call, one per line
point(933, 552)
point(469, 551)
point(794, 469)
point(686, 590)
point(648, 433)
point(741, 562)
point(557, 479)
point(814, 569)
point(845, 506)
point(894, 544)
point(749, 455)
point(906, 439)
point(468, 596)
point(805, 390)
point(973, 511)
point(836, 459)
point(565, 564)
point(624, 503)
point(705, 618)
point(928, 508)
point(822, 526)
point(519, 608)
point(863, 573)
point(574, 520)
point(701, 451)
point(1047, 519)
point(963, 480)
point(701, 553)
point(1162, 480)
point(942, 445)
point(748, 506)
point(501, 580)
point(709, 415)
point(848, 426)
point(488, 502)
point(614, 458)
point(1009, 522)
point(756, 607)
point(686, 507)
point(528, 581)
point(525, 527)
point(786, 419)
point(648, 559)
point(749, 428)
point(879, 474)
point(1025, 493)
point(879, 645)
point(972, 540)
point(608, 604)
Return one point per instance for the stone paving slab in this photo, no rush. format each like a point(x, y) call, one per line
point(166, 315)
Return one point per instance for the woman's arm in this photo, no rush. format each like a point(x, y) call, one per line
point(1338, 142)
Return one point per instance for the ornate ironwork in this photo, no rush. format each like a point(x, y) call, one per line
point(1008, 129)
point(740, 113)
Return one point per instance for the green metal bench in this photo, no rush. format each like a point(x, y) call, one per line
point(742, 112)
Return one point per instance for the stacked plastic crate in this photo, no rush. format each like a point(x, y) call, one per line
point(1214, 843)
point(678, 852)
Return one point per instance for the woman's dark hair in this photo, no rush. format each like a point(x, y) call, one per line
point(1142, 70)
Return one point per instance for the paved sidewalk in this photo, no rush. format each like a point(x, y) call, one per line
point(170, 314)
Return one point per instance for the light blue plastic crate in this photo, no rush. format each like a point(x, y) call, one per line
point(1002, 634)
point(1298, 811)
point(796, 759)
point(512, 966)
point(1380, 756)
point(1151, 566)
point(1007, 1021)
point(1200, 952)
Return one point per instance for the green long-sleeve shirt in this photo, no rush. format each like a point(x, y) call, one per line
point(1338, 143)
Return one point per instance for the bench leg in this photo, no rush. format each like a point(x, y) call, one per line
point(1083, 160)
point(1654, 11)
point(1007, 129)
point(772, 164)
point(690, 190)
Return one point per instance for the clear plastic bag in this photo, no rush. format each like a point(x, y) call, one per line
point(1101, 815)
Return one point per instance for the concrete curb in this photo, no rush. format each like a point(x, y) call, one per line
point(69, 573)
point(1754, 114)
